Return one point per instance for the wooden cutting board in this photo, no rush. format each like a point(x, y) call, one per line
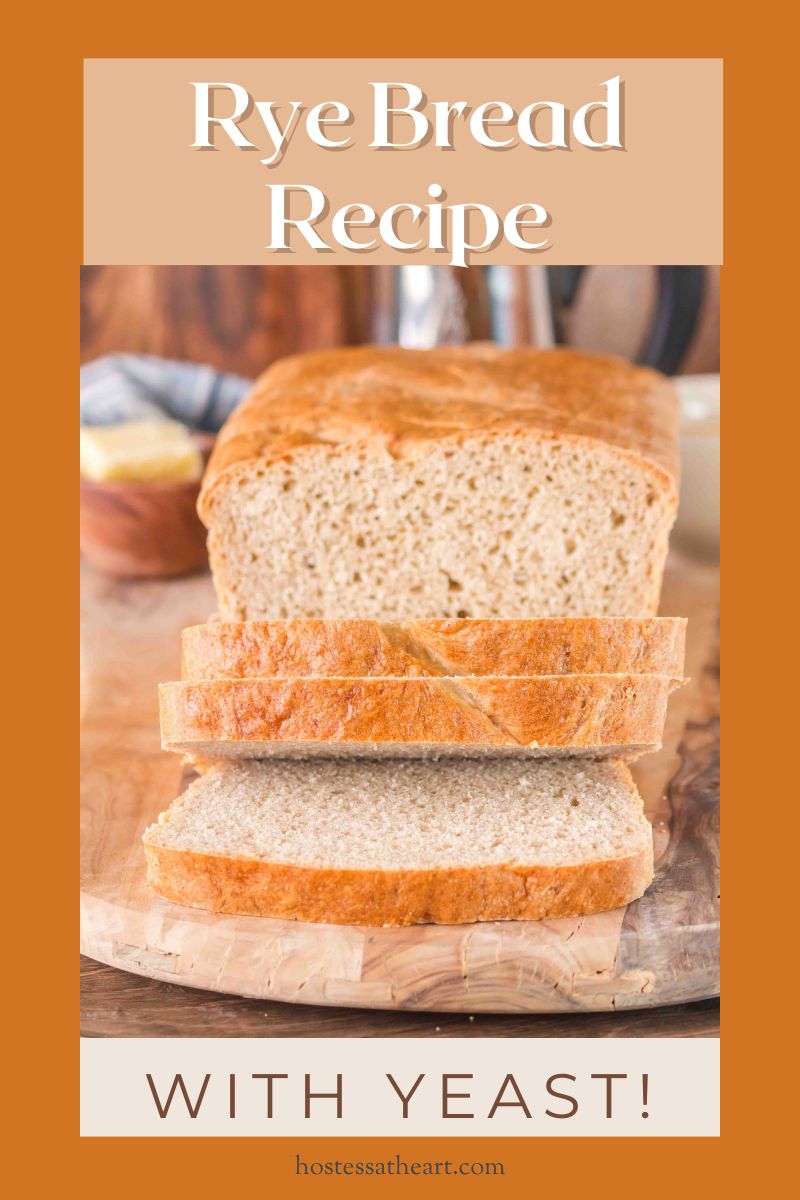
point(663, 949)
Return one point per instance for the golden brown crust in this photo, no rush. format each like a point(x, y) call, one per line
point(576, 646)
point(448, 896)
point(396, 400)
point(550, 711)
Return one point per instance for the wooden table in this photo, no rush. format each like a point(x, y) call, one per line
point(117, 1004)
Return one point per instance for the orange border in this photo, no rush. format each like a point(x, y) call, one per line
point(42, 139)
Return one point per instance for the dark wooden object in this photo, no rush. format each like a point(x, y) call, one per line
point(238, 319)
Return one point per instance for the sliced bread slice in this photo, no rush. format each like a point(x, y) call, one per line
point(596, 715)
point(368, 843)
point(571, 646)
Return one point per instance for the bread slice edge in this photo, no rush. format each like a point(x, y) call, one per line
point(449, 896)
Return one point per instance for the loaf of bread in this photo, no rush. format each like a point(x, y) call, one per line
point(457, 482)
point(572, 646)
point(594, 715)
point(368, 843)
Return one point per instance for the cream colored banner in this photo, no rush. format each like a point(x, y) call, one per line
point(506, 161)
point(400, 1087)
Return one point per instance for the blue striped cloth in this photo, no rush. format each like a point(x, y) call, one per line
point(119, 388)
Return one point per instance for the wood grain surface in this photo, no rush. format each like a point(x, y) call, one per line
point(661, 950)
point(117, 1004)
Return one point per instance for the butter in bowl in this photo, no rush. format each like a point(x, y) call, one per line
point(139, 488)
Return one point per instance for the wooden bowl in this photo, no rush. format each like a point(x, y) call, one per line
point(141, 530)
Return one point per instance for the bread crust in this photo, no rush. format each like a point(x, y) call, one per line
point(396, 400)
point(570, 646)
point(449, 896)
point(540, 711)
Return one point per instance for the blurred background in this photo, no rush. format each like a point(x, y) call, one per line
point(150, 334)
point(240, 319)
